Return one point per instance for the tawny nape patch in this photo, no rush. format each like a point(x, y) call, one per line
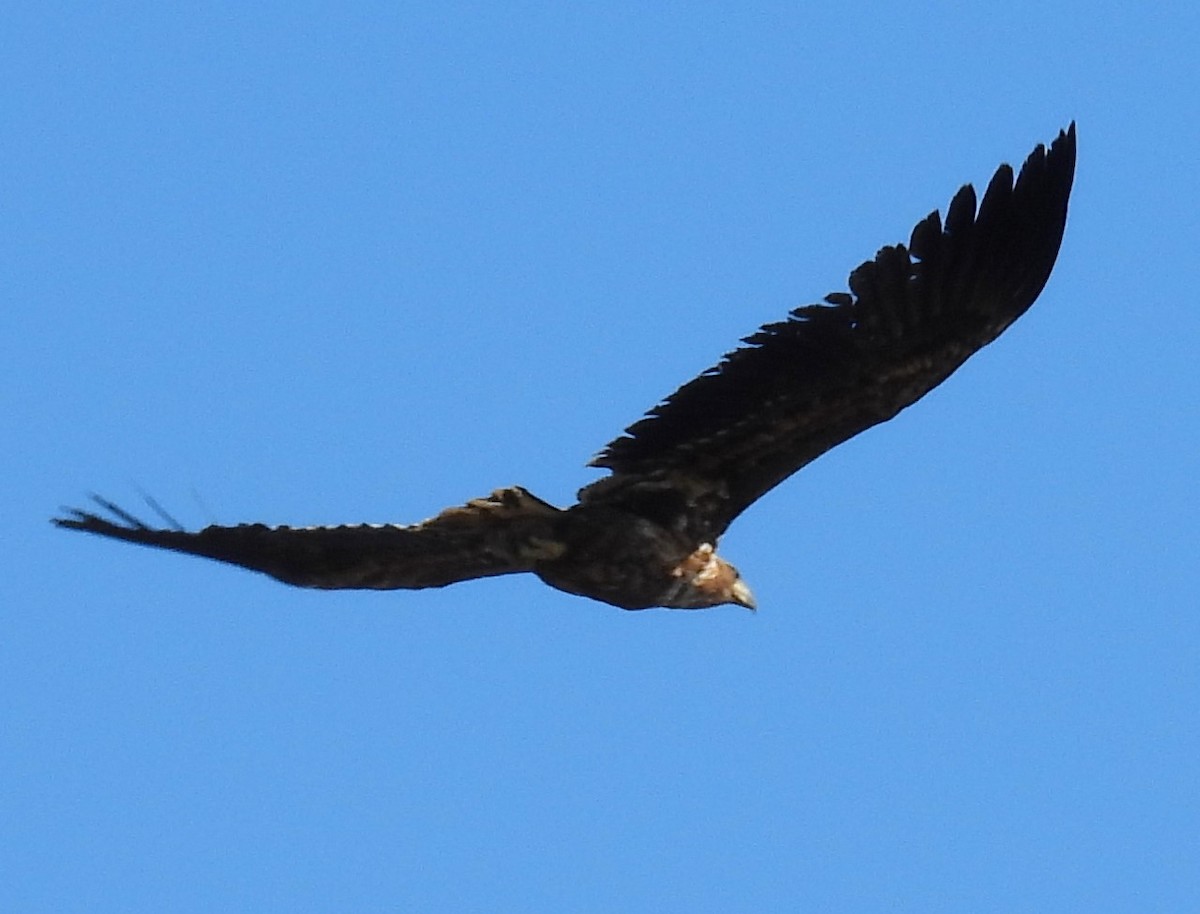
point(699, 563)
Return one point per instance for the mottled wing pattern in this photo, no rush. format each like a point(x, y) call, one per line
point(501, 534)
point(913, 315)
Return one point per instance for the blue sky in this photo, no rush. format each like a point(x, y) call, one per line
point(305, 263)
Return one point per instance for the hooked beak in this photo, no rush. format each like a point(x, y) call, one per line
point(740, 594)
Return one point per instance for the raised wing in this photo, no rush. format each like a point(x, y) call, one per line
point(828, 372)
point(501, 534)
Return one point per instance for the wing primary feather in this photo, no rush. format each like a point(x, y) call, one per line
point(161, 512)
point(118, 512)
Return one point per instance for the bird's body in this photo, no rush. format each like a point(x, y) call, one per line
point(645, 535)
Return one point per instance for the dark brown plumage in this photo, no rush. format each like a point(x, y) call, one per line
point(645, 535)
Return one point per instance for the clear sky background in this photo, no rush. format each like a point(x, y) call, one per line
point(304, 263)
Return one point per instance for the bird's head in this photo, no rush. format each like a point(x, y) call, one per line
point(705, 579)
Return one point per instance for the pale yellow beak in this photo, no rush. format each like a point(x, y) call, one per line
point(740, 594)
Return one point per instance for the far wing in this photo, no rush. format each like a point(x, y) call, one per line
point(806, 384)
point(501, 534)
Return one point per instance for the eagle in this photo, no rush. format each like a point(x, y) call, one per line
point(646, 534)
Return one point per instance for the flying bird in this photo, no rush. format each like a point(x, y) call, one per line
point(646, 534)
